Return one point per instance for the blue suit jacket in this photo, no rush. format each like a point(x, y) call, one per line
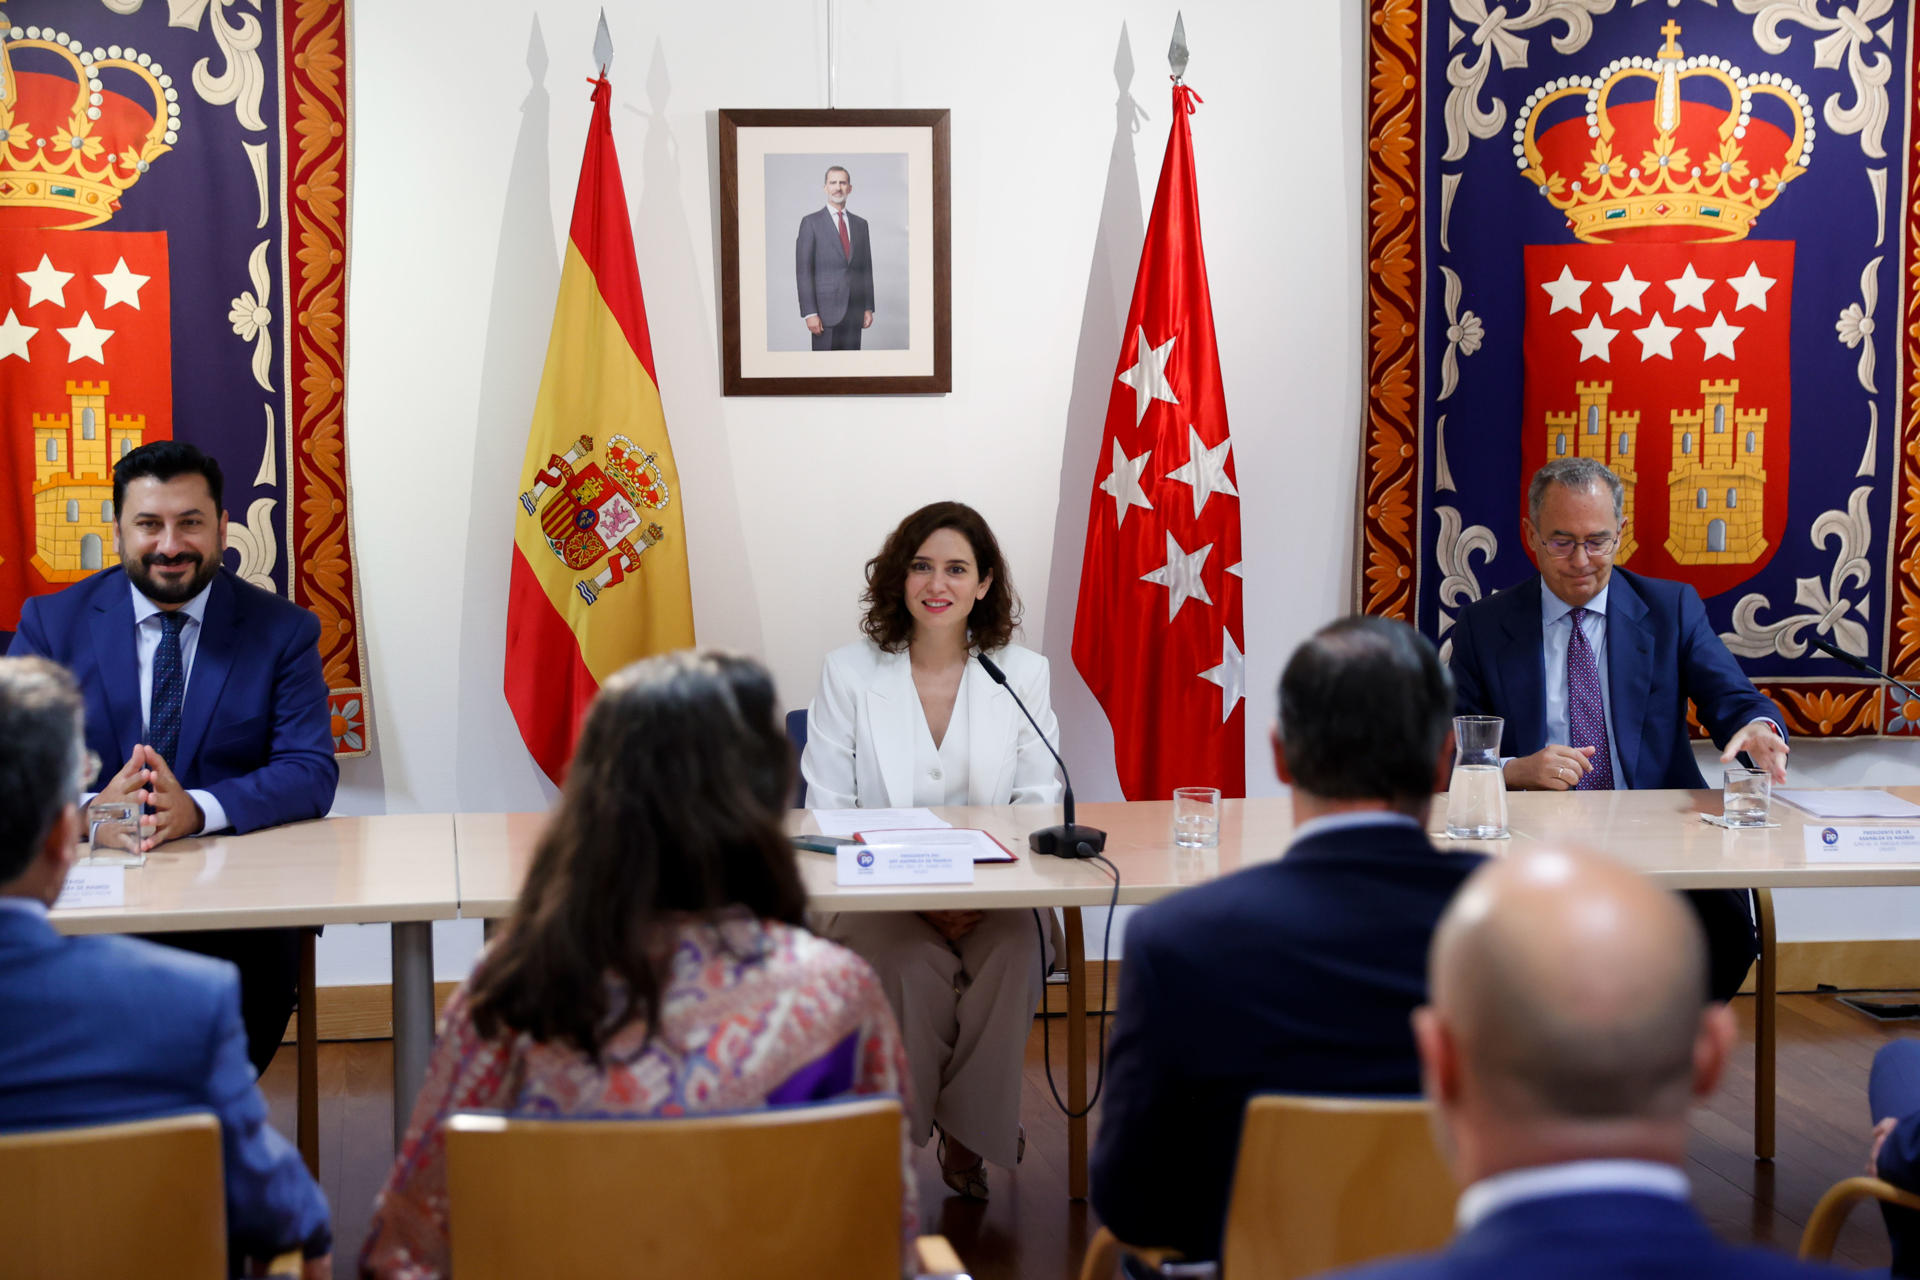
point(1603, 1235)
point(831, 284)
point(98, 1030)
point(1299, 976)
point(1661, 653)
point(255, 730)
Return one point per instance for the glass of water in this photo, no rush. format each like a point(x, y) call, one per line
point(1477, 798)
point(1745, 797)
point(1196, 817)
point(114, 834)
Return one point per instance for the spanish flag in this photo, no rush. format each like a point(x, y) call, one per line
point(599, 539)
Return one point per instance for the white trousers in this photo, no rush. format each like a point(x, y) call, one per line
point(965, 1010)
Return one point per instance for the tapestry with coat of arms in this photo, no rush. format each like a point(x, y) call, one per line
point(1677, 236)
point(173, 264)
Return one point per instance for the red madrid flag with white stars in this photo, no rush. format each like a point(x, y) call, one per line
point(1158, 634)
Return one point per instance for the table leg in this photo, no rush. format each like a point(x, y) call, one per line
point(307, 1055)
point(1076, 1056)
point(1766, 980)
point(412, 1017)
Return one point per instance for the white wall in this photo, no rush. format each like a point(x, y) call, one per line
point(465, 166)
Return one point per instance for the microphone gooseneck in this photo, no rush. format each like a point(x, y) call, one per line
point(1860, 664)
point(1069, 839)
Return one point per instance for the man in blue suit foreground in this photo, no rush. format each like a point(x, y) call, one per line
point(204, 694)
point(100, 1029)
point(1893, 1094)
point(1297, 975)
point(1568, 1034)
point(1592, 668)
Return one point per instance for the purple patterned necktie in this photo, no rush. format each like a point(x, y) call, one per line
point(1586, 712)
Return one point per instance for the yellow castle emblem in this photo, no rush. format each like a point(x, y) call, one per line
point(73, 457)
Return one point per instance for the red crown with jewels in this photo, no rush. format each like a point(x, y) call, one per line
point(78, 127)
point(1669, 148)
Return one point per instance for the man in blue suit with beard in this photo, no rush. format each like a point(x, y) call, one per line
point(833, 267)
point(1592, 668)
point(1567, 1035)
point(205, 696)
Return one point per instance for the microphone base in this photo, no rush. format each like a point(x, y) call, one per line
point(1068, 841)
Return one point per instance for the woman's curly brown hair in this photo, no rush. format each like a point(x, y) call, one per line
point(889, 623)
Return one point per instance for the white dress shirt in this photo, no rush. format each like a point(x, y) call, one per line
point(18, 902)
point(147, 630)
point(1576, 1177)
point(940, 773)
point(1351, 821)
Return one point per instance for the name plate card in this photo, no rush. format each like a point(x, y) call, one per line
point(1863, 844)
point(860, 864)
point(90, 887)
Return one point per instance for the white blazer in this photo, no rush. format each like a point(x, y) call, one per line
point(861, 726)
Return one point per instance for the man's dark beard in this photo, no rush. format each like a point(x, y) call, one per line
point(141, 573)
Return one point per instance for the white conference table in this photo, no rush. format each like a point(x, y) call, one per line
point(396, 869)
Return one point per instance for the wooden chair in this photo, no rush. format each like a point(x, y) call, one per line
point(1823, 1227)
point(791, 1191)
point(1321, 1183)
point(143, 1198)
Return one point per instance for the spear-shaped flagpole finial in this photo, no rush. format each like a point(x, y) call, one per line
point(603, 45)
point(1177, 51)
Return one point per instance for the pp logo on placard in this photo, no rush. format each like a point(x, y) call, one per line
point(865, 857)
point(1829, 837)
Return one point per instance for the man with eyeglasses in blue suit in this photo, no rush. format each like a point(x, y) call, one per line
point(1592, 668)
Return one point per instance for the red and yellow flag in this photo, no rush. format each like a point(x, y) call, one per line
point(599, 543)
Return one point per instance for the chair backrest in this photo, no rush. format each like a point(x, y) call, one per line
point(138, 1199)
point(791, 1191)
point(1329, 1182)
point(797, 735)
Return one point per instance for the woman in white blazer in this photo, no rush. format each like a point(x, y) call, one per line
point(906, 718)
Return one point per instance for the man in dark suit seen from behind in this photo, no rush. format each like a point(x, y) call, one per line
point(98, 1030)
point(204, 694)
point(833, 269)
point(1297, 975)
point(1568, 1035)
point(1592, 668)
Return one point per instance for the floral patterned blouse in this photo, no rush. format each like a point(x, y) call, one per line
point(754, 1014)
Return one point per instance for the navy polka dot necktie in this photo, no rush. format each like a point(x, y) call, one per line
point(1586, 711)
point(169, 690)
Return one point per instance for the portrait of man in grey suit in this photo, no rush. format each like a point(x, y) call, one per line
point(833, 269)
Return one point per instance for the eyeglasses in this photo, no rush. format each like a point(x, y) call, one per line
point(1598, 546)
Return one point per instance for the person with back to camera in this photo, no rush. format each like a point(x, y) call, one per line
point(905, 718)
point(657, 962)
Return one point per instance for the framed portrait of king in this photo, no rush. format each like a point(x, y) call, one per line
point(835, 254)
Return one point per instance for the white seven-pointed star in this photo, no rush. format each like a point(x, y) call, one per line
point(1123, 482)
point(1689, 291)
point(1656, 338)
point(122, 286)
point(1626, 291)
point(1230, 675)
point(1565, 291)
point(1752, 287)
point(1205, 471)
point(1594, 340)
point(1148, 377)
point(85, 341)
point(13, 338)
point(45, 284)
point(1181, 576)
point(1719, 336)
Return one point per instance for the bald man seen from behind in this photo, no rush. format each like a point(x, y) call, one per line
point(1568, 1034)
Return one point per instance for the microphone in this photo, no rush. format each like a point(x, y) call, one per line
point(1859, 664)
point(1069, 839)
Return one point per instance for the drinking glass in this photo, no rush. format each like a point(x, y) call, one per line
point(1745, 797)
point(1196, 817)
point(1477, 800)
point(113, 834)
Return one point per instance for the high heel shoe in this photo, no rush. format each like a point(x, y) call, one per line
point(969, 1182)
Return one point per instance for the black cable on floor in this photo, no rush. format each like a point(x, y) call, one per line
point(1046, 1023)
